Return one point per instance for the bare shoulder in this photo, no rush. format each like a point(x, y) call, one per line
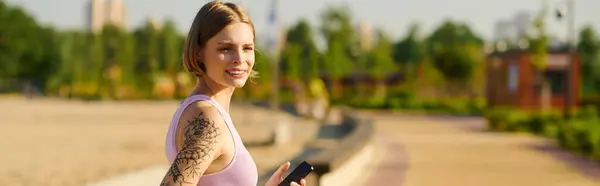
point(202, 126)
point(201, 114)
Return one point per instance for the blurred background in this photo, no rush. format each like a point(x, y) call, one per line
point(523, 66)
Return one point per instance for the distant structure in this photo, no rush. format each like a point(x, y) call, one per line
point(101, 12)
point(95, 15)
point(365, 33)
point(513, 32)
point(511, 79)
point(523, 22)
point(503, 30)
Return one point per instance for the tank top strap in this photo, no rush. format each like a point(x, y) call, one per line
point(215, 104)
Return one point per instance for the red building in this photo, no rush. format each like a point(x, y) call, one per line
point(511, 79)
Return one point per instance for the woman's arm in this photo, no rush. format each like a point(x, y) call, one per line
point(200, 147)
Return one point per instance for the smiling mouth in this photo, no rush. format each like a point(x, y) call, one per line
point(236, 73)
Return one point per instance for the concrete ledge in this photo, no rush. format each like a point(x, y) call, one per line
point(341, 164)
point(352, 170)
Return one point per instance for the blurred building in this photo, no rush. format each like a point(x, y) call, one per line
point(511, 79)
point(95, 15)
point(512, 31)
point(523, 24)
point(116, 13)
point(101, 12)
point(503, 30)
point(365, 35)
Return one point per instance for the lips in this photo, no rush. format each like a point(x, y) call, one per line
point(236, 72)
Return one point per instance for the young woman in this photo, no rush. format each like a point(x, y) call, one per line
point(202, 143)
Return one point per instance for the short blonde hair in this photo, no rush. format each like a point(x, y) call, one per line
point(209, 21)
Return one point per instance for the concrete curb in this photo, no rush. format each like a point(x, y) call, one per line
point(352, 171)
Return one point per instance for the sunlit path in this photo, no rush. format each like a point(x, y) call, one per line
point(454, 151)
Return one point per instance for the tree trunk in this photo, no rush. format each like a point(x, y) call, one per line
point(336, 89)
point(380, 89)
point(545, 93)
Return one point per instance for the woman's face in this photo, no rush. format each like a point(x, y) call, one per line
point(229, 55)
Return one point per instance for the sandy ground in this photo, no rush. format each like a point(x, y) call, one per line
point(55, 142)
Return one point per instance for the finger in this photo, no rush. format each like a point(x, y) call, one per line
point(303, 182)
point(282, 169)
point(278, 174)
point(294, 184)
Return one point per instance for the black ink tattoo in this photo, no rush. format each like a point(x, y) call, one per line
point(200, 136)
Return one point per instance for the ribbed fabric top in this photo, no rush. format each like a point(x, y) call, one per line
point(241, 171)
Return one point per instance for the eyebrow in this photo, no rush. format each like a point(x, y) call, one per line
point(228, 42)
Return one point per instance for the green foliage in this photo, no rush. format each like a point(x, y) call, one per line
point(580, 134)
point(300, 38)
point(589, 50)
point(22, 45)
point(292, 55)
point(539, 43)
point(380, 61)
point(408, 52)
point(455, 51)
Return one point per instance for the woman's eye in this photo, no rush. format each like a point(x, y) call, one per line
point(225, 49)
point(248, 48)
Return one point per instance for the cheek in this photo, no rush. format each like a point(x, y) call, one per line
point(223, 57)
point(250, 59)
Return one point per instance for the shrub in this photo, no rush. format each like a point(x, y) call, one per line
point(539, 121)
point(581, 135)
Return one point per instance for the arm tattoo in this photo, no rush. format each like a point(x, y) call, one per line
point(200, 137)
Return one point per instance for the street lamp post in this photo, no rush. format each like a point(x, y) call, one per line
point(274, 50)
point(282, 133)
point(570, 16)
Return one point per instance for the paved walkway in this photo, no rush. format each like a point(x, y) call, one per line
point(455, 151)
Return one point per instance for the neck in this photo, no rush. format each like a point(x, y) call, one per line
point(219, 93)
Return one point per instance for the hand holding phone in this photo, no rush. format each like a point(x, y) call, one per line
point(297, 174)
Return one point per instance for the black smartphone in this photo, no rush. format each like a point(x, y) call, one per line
point(297, 174)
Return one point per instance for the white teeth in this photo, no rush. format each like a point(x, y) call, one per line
point(236, 72)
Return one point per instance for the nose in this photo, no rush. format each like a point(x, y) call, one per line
point(237, 57)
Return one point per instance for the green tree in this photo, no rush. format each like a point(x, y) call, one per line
point(381, 64)
point(301, 35)
point(169, 46)
point(260, 87)
point(147, 64)
point(408, 51)
point(77, 61)
point(94, 66)
point(21, 44)
point(291, 62)
point(342, 52)
point(589, 50)
point(455, 52)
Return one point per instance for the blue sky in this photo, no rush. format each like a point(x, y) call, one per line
point(393, 16)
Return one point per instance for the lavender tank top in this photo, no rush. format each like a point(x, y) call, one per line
point(241, 171)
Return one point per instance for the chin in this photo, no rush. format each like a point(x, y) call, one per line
point(237, 84)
